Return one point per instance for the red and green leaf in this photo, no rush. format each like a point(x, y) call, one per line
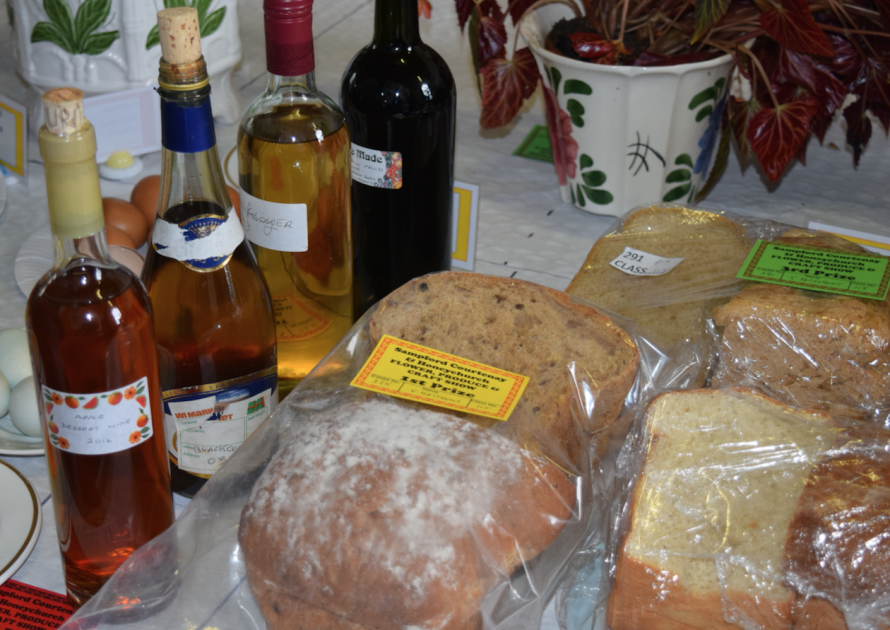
point(516, 8)
point(506, 84)
point(594, 47)
point(707, 14)
point(776, 134)
point(491, 34)
point(465, 9)
point(740, 119)
point(792, 25)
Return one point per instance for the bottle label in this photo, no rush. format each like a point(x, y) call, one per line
point(380, 169)
point(206, 423)
point(283, 227)
point(100, 423)
point(295, 320)
point(203, 243)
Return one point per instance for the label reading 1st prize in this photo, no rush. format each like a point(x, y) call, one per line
point(857, 274)
point(380, 169)
point(283, 227)
point(100, 423)
point(406, 370)
point(636, 262)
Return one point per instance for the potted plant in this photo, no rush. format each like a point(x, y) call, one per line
point(802, 60)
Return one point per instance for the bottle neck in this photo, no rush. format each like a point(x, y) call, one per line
point(191, 171)
point(301, 83)
point(395, 21)
point(289, 48)
point(94, 247)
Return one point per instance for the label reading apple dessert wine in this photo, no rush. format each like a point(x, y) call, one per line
point(406, 370)
point(100, 423)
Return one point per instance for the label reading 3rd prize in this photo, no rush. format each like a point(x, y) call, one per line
point(636, 262)
point(406, 370)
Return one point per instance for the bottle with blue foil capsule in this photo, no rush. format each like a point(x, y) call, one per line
point(213, 316)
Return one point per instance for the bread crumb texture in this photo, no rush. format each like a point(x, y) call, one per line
point(389, 516)
point(709, 515)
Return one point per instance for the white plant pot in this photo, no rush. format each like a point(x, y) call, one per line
point(624, 136)
point(97, 66)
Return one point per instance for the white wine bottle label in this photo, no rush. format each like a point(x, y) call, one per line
point(205, 424)
point(100, 423)
point(283, 227)
point(380, 169)
point(203, 243)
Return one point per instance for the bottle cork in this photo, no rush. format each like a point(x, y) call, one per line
point(63, 111)
point(180, 35)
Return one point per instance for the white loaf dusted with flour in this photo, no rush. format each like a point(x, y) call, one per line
point(387, 516)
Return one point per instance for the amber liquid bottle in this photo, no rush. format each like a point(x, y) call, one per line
point(212, 312)
point(293, 162)
point(399, 99)
point(96, 371)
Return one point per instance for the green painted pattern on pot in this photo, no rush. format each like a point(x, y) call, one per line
point(208, 21)
point(75, 33)
point(593, 180)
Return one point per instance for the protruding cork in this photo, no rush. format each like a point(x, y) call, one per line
point(63, 111)
point(180, 35)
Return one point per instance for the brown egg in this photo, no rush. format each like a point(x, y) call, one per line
point(145, 197)
point(235, 196)
point(125, 217)
point(116, 236)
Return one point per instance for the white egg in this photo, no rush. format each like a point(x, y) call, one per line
point(23, 410)
point(15, 356)
point(4, 395)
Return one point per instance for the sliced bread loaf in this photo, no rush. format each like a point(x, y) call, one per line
point(672, 307)
point(709, 514)
point(819, 351)
point(527, 329)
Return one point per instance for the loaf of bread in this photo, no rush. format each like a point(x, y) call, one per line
point(710, 512)
point(672, 308)
point(814, 350)
point(388, 516)
point(527, 329)
point(837, 552)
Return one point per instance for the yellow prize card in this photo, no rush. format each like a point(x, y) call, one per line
point(406, 370)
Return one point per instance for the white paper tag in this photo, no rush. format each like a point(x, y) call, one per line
point(205, 242)
point(636, 262)
point(283, 227)
point(380, 169)
point(100, 423)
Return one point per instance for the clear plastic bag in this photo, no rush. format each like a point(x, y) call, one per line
point(195, 574)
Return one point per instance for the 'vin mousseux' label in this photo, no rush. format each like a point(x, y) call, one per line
point(380, 169)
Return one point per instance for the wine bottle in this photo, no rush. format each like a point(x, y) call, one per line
point(95, 363)
point(399, 99)
point(293, 164)
point(213, 315)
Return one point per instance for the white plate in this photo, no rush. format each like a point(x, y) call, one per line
point(34, 259)
point(20, 520)
point(13, 442)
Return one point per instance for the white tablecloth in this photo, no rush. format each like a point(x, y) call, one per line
point(524, 230)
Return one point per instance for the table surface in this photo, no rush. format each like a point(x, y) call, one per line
point(523, 230)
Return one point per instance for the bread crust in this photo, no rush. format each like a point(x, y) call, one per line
point(527, 329)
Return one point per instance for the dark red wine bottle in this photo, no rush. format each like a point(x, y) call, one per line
point(399, 99)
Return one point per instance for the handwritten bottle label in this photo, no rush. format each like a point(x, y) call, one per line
point(205, 424)
point(100, 423)
point(380, 169)
point(203, 243)
point(283, 227)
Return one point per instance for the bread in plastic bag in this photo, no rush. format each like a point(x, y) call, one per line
point(195, 574)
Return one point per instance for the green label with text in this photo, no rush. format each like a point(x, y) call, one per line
point(856, 274)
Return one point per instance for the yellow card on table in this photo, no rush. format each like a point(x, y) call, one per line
point(406, 370)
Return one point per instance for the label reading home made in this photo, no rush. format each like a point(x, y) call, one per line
point(283, 227)
point(380, 169)
point(100, 423)
point(406, 370)
point(205, 424)
point(639, 263)
point(855, 274)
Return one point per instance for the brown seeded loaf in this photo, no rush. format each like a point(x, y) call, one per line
point(523, 328)
point(709, 513)
point(390, 516)
point(814, 350)
point(838, 544)
point(673, 307)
